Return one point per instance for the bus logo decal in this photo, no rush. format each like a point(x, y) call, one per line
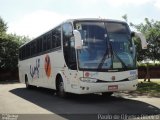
point(34, 70)
point(47, 66)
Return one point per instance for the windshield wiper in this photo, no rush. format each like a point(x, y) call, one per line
point(112, 52)
point(103, 60)
point(115, 53)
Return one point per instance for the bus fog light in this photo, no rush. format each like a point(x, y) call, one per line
point(133, 77)
point(89, 80)
point(82, 87)
point(87, 88)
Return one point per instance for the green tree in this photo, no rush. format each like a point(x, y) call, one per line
point(151, 30)
point(125, 17)
point(3, 26)
point(9, 45)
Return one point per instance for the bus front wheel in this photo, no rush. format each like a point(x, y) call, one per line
point(60, 88)
point(107, 94)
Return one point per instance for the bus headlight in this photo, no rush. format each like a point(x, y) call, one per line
point(134, 77)
point(89, 80)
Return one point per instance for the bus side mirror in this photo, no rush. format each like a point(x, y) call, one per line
point(78, 39)
point(142, 38)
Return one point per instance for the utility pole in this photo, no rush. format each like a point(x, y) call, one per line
point(147, 76)
point(147, 73)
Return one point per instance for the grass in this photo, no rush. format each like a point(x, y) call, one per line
point(149, 88)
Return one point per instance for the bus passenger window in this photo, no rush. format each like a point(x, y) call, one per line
point(39, 45)
point(44, 43)
point(53, 40)
point(68, 46)
point(58, 37)
point(49, 41)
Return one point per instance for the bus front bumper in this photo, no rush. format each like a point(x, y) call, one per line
point(86, 88)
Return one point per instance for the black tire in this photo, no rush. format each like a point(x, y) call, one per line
point(28, 86)
point(107, 94)
point(60, 88)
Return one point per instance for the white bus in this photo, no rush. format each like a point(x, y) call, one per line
point(82, 56)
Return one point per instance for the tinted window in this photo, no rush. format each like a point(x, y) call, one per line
point(95, 49)
point(23, 52)
point(56, 37)
point(53, 39)
point(116, 27)
point(20, 53)
point(68, 46)
point(49, 40)
point(27, 50)
point(44, 43)
point(39, 45)
point(33, 48)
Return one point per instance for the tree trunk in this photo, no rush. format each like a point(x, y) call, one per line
point(147, 74)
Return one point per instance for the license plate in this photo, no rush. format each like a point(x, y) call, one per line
point(112, 87)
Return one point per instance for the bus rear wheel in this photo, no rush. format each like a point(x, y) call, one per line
point(60, 88)
point(28, 86)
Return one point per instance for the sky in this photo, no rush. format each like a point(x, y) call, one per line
point(34, 17)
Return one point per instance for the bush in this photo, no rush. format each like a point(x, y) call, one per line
point(151, 65)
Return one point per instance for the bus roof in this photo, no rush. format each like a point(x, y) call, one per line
point(78, 19)
point(93, 19)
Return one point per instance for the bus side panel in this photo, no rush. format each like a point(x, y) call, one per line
point(21, 72)
point(57, 65)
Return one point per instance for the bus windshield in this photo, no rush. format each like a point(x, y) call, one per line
point(106, 45)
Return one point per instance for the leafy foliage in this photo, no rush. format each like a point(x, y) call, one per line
point(149, 88)
point(151, 30)
point(9, 45)
point(3, 26)
point(150, 65)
